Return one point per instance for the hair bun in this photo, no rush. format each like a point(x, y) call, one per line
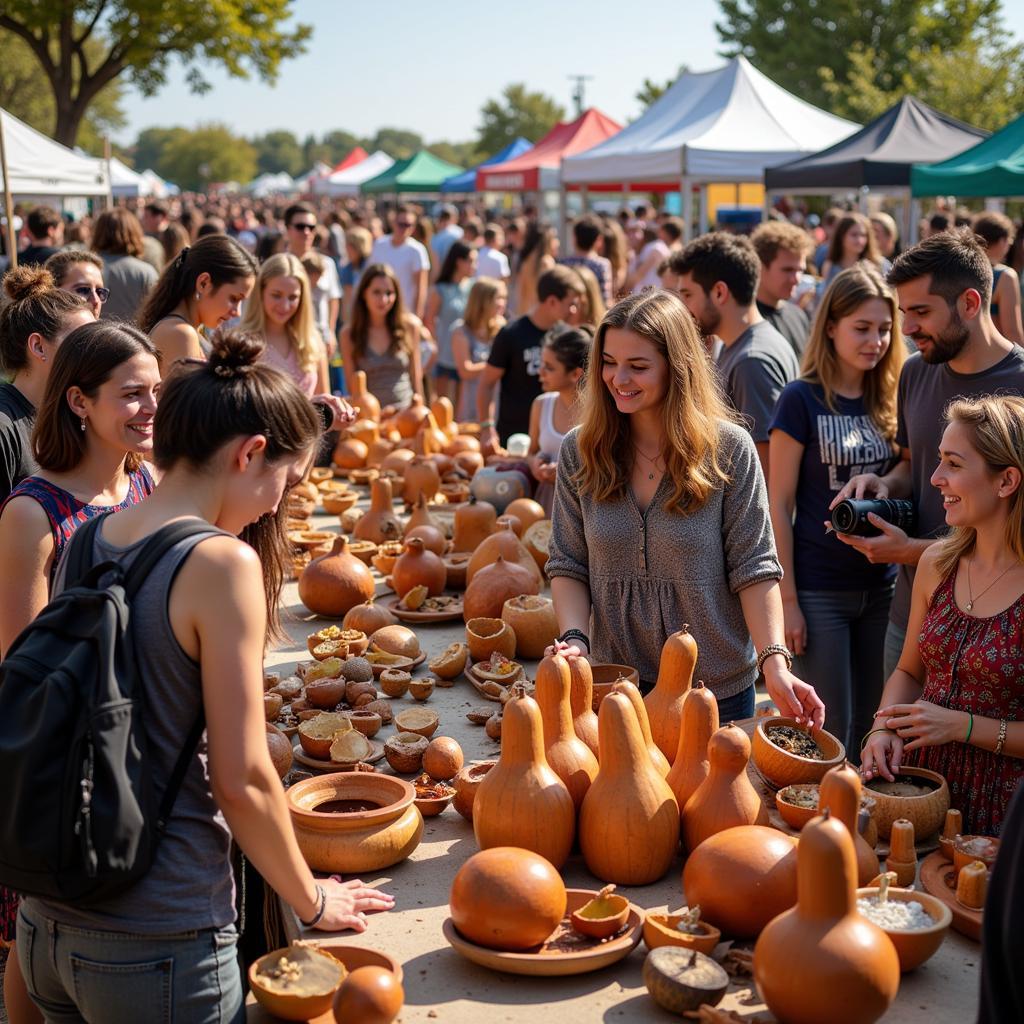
point(234, 351)
point(28, 283)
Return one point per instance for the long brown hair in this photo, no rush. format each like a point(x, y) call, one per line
point(996, 426)
point(835, 249)
point(849, 290)
point(204, 404)
point(691, 413)
point(118, 232)
point(396, 318)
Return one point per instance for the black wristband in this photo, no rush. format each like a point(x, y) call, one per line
point(575, 634)
point(318, 916)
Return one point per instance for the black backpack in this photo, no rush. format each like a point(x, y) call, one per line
point(80, 815)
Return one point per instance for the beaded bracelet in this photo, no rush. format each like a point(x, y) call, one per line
point(318, 916)
point(774, 649)
point(1002, 737)
point(575, 634)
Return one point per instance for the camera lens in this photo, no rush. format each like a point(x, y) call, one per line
point(844, 516)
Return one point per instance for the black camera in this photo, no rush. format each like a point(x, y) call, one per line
point(851, 516)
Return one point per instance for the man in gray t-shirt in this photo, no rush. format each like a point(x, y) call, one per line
point(718, 276)
point(944, 286)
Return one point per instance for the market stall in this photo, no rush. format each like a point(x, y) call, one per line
point(466, 181)
point(422, 174)
point(346, 181)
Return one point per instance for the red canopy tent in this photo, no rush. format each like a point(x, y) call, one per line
point(357, 156)
point(539, 168)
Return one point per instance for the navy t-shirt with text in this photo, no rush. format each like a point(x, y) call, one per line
point(838, 444)
point(516, 351)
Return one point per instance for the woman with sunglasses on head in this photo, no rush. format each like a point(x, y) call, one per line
point(33, 323)
point(202, 288)
point(80, 272)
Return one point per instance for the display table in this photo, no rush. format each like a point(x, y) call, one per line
point(441, 985)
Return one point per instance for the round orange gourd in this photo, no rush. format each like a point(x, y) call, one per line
point(335, 582)
point(581, 699)
point(397, 459)
point(507, 898)
point(363, 400)
point(839, 791)
point(504, 543)
point(379, 523)
point(474, 523)
point(370, 995)
point(365, 430)
point(570, 758)
point(521, 801)
point(350, 453)
point(665, 701)
point(742, 878)
point(854, 964)
point(658, 759)
point(726, 798)
point(527, 511)
point(534, 621)
point(411, 418)
point(629, 821)
point(368, 618)
point(492, 586)
point(417, 566)
point(432, 537)
point(699, 722)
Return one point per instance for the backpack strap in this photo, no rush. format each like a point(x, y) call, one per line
point(158, 545)
point(178, 774)
point(79, 551)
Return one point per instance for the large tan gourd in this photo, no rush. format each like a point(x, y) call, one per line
point(822, 960)
point(492, 586)
point(570, 758)
point(505, 544)
point(363, 400)
point(727, 797)
point(665, 701)
point(416, 566)
point(521, 801)
point(839, 791)
point(474, 523)
point(658, 759)
point(379, 523)
point(335, 582)
point(699, 722)
point(581, 699)
point(411, 418)
point(629, 821)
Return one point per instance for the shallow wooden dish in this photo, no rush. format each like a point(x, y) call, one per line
point(915, 947)
point(405, 615)
point(477, 680)
point(661, 930)
point(591, 954)
point(337, 766)
point(927, 811)
point(938, 878)
point(780, 768)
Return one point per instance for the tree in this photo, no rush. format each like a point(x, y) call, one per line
point(790, 40)
point(137, 40)
point(650, 92)
point(151, 146)
point(518, 112)
point(398, 143)
point(462, 154)
point(278, 151)
point(211, 153)
point(21, 96)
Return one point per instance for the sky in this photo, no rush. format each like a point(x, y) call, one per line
point(430, 68)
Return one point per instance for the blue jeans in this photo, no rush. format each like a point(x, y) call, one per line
point(739, 705)
point(98, 977)
point(844, 656)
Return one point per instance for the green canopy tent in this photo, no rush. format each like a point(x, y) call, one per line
point(422, 173)
point(994, 167)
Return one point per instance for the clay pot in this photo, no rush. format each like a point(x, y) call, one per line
point(662, 930)
point(357, 841)
point(780, 768)
point(466, 782)
point(926, 811)
point(334, 583)
point(485, 636)
point(914, 948)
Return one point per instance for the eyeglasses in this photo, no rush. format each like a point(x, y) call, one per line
point(86, 291)
point(405, 225)
point(305, 226)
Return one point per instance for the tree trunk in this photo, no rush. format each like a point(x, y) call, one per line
point(69, 119)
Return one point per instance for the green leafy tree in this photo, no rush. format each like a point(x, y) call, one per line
point(139, 38)
point(462, 154)
point(150, 146)
point(340, 143)
point(790, 40)
point(278, 151)
point(398, 143)
point(518, 112)
point(210, 153)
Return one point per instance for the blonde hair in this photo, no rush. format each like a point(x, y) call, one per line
point(593, 299)
point(691, 413)
point(478, 318)
point(301, 329)
point(996, 427)
point(849, 290)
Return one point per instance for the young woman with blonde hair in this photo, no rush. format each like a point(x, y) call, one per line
point(540, 249)
point(281, 313)
point(661, 517)
point(836, 420)
point(472, 337)
point(590, 312)
point(955, 703)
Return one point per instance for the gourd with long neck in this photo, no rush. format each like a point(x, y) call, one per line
point(839, 791)
point(362, 399)
point(665, 701)
point(570, 758)
point(629, 821)
point(379, 523)
point(822, 960)
point(521, 801)
point(444, 414)
point(581, 699)
point(658, 759)
point(699, 722)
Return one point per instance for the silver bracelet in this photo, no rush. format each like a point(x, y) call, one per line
point(774, 649)
point(318, 916)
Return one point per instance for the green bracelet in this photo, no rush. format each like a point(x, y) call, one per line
point(970, 728)
point(870, 734)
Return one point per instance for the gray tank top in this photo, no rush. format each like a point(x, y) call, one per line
point(190, 885)
point(387, 376)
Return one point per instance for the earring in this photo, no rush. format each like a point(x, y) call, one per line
point(83, 424)
point(198, 296)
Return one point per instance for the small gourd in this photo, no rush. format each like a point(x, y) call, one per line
point(665, 701)
point(699, 722)
point(521, 801)
point(362, 399)
point(570, 758)
point(410, 419)
point(474, 523)
point(493, 585)
point(658, 759)
point(336, 582)
point(972, 885)
point(417, 566)
point(629, 821)
point(853, 964)
point(581, 699)
point(421, 477)
point(379, 523)
point(420, 516)
point(726, 798)
point(444, 415)
point(839, 791)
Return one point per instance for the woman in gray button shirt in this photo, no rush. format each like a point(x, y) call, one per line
point(661, 517)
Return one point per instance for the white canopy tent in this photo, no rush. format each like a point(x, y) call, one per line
point(726, 125)
point(124, 182)
point(157, 187)
point(271, 184)
point(346, 182)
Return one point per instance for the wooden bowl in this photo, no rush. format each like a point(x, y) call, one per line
point(914, 948)
point(287, 1005)
point(336, 503)
point(927, 811)
point(364, 550)
point(792, 814)
point(419, 720)
point(602, 917)
point(780, 768)
point(366, 722)
point(606, 676)
point(662, 930)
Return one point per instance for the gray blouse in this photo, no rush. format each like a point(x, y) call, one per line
point(650, 573)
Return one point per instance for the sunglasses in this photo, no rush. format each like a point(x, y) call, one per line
point(304, 227)
point(406, 225)
point(86, 291)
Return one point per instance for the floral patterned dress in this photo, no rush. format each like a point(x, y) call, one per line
point(976, 665)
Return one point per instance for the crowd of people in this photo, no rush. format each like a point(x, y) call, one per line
point(691, 414)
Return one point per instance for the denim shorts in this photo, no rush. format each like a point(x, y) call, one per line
point(448, 372)
point(104, 977)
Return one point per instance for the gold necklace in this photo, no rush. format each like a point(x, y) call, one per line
point(653, 462)
point(970, 597)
